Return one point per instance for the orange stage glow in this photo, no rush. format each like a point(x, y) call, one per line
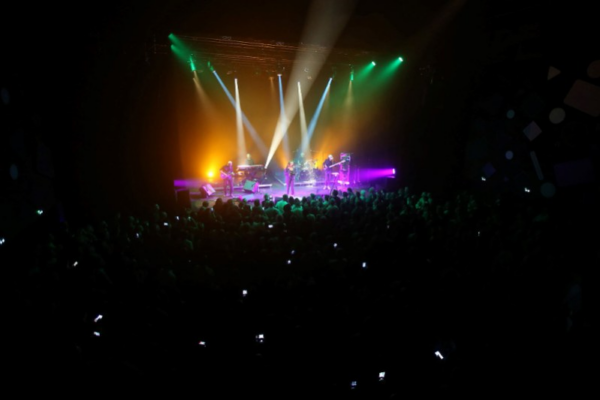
point(351, 117)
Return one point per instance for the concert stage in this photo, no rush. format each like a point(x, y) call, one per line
point(199, 191)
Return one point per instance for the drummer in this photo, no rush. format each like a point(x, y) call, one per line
point(299, 161)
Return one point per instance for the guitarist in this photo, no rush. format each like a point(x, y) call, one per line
point(227, 176)
point(327, 168)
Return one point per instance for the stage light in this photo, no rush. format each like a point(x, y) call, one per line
point(400, 59)
point(373, 63)
point(192, 65)
point(211, 174)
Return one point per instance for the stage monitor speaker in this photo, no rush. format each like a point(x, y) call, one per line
point(206, 191)
point(183, 198)
point(251, 186)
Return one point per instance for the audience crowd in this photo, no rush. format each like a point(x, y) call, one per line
point(370, 293)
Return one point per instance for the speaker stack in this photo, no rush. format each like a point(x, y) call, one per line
point(183, 198)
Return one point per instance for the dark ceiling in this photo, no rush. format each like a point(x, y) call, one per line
point(56, 31)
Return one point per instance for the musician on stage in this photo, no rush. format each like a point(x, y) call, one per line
point(249, 160)
point(327, 169)
point(290, 176)
point(227, 176)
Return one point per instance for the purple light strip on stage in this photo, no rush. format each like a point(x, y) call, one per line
point(376, 173)
point(194, 183)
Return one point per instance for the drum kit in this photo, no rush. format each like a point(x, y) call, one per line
point(308, 170)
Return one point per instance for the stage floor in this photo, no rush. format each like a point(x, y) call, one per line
point(274, 189)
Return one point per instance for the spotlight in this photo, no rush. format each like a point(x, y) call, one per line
point(400, 59)
point(373, 63)
point(192, 65)
point(280, 69)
